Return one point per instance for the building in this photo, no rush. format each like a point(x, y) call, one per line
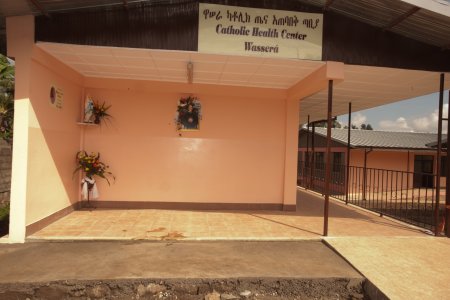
point(258, 71)
point(412, 152)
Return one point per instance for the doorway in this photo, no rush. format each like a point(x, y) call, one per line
point(423, 171)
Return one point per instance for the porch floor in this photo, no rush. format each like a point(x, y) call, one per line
point(153, 224)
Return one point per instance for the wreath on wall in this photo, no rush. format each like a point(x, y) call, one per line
point(189, 113)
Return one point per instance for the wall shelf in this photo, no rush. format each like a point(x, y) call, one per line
point(87, 124)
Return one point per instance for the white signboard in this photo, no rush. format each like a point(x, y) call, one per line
point(262, 32)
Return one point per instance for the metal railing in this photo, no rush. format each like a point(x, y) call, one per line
point(406, 196)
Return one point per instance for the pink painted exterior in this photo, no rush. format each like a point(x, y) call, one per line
point(245, 151)
point(237, 156)
point(53, 137)
point(385, 160)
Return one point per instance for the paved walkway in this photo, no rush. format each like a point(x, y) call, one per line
point(402, 268)
point(49, 261)
point(152, 224)
point(403, 262)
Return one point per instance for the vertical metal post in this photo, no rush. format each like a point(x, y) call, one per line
point(312, 171)
point(447, 182)
point(328, 165)
point(307, 157)
point(407, 177)
point(347, 174)
point(438, 156)
point(364, 175)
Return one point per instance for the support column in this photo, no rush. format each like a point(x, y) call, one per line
point(347, 174)
point(447, 182)
point(313, 158)
point(328, 164)
point(291, 154)
point(20, 40)
point(306, 160)
point(438, 158)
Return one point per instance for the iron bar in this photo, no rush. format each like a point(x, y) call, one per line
point(382, 190)
point(417, 211)
point(328, 166)
point(313, 159)
point(438, 156)
point(447, 179)
point(348, 150)
point(401, 192)
point(392, 182)
point(307, 154)
point(364, 174)
point(378, 191)
point(407, 178)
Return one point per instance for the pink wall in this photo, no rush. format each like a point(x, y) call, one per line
point(236, 157)
point(54, 138)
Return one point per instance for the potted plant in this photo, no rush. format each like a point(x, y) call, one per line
point(100, 112)
point(91, 166)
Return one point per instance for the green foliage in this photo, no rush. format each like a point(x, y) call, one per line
point(366, 127)
point(7, 76)
point(4, 220)
point(4, 212)
point(335, 124)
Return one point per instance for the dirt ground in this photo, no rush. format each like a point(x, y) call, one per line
point(189, 289)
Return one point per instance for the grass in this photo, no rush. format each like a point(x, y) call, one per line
point(4, 220)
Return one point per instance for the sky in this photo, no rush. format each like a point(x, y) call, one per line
point(417, 114)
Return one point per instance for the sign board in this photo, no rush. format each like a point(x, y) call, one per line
point(56, 97)
point(261, 32)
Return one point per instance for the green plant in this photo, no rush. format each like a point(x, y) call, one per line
point(92, 166)
point(4, 212)
point(100, 112)
point(7, 81)
point(4, 219)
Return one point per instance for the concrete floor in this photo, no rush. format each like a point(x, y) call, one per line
point(402, 268)
point(51, 261)
point(403, 262)
point(152, 224)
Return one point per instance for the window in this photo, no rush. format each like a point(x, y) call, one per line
point(319, 160)
point(338, 159)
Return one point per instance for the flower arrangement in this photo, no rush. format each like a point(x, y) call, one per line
point(100, 112)
point(189, 112)
point(92, 166)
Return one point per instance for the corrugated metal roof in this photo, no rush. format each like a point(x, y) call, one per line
point(378, 13)
point(424, 25)
point(382, 139)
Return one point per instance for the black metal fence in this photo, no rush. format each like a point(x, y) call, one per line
point(406, 196)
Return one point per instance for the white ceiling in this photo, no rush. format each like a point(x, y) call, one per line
point(368, 87)
point(365, 87)
point(163, 65)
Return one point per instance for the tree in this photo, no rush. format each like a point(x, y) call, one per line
point(7, 74)
point(324, 124)
point(366, 127)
